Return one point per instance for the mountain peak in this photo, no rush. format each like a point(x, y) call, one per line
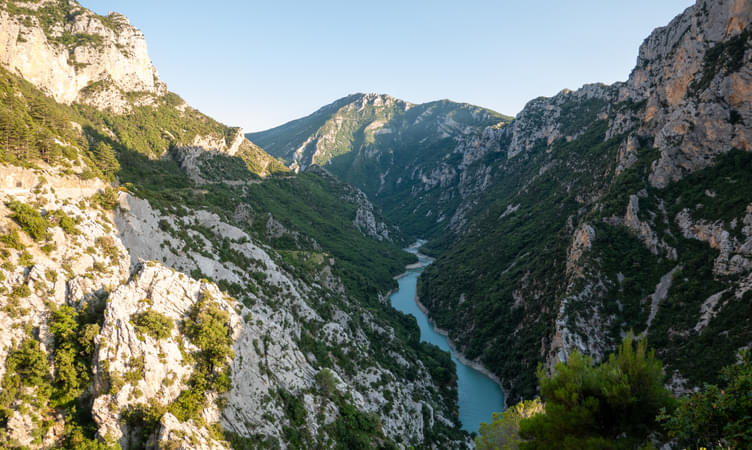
point(75, 55)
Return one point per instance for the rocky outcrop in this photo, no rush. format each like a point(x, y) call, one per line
point(577, 175)
point(365, 217)
point(140, 259)
point(76, 266)
point(177, 435)
point(150, 370)
point(86, 58)
point(581, 242)
point(642, 228)
point(695, 82)
point(735, 251)
point(197, 158)
point(545, 120)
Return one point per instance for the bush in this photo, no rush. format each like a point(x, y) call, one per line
point(71, 357)
point(12, 240)
point(26, 366)
point(716, 417)
point(29, 218)
point(207, 327)
point(153, 324)
point(108, 199)
point(144, 418)
point(21, 291)
point(64, 221)
point(25, 259)
point(107, 245)
point(612, 405)
point(326, 383)
point(503, 431)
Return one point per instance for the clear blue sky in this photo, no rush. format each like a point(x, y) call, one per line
point(258, 64)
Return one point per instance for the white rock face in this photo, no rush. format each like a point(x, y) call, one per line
point(581, 242)
point(267, 353)
point(542, 119)
point(735, 253)
point(161, 363)
point(73, 271)
point(148, 371)
point(177, 435)
point(117, 59)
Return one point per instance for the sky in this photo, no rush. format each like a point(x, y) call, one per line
point(259, 64)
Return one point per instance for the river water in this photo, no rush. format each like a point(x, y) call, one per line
point(479, 396)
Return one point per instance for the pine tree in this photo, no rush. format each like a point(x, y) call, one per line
point(5, 130)
point(106, 159)
point(46, 146)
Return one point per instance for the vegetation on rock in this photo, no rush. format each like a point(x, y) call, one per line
point(154, 324)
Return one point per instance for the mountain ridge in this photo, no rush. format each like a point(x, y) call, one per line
point(168, 283)
point(422, 135)
point(519, 214)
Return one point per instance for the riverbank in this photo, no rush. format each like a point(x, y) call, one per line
point(461, 356)
point(479, 393)
point(425, 260)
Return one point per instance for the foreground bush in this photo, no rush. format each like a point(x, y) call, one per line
point(716, 417)
point(612, 405)
point(503, 431)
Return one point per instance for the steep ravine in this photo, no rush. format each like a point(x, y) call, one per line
point(596, 211)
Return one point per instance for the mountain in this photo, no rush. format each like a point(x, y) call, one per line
point(593, 212)
point(167, 283)
point(615, 208)
point(74, 55)
point(400, 154)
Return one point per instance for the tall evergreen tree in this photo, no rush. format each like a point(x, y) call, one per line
point(106, 159)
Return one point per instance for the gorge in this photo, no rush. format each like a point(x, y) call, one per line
point(168, 281)
point(478, 395)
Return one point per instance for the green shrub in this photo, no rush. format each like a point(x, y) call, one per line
point(716, 417)
point(71, 371)
point(152, 323)
point(107, 199)
point(326, 382)
point(612, 405)
point(12, 240)
point(356, 429)
point(25, 259)
point(64, 221)
point(107, 245)
point(503, 431)
point(21, 291)
point(29, 218)
point(207, 327)
point(26, 366)
point(145, 419)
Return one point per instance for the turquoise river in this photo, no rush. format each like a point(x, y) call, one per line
point(479, 395)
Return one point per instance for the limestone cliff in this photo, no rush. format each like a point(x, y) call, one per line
point(166, 283)
point(631, 196)
point(75, 55)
